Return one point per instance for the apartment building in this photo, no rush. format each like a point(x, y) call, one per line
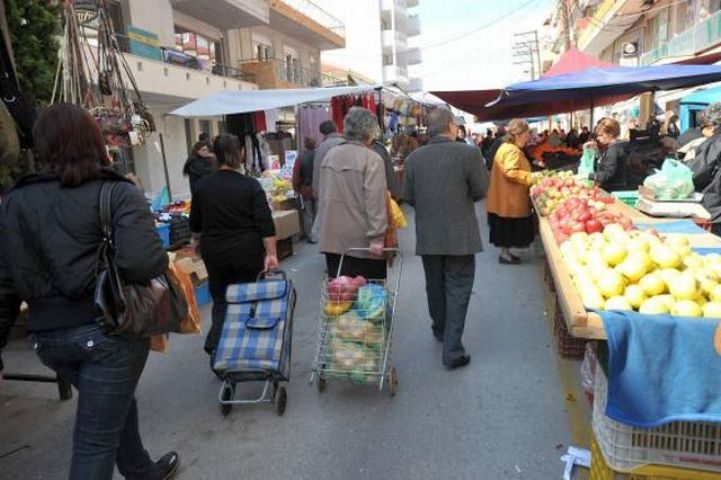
point(380, 37)
point(181, 50)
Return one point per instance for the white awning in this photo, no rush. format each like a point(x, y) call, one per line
point(242, 101)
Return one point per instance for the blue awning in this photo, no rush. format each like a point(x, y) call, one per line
point(706, 96)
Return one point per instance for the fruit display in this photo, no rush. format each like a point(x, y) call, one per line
point(537, 177)
point(583, 215)
point(627, 269)
point(551, 192)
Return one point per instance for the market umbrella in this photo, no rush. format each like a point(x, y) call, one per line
point(573, 60)
point(580, 90)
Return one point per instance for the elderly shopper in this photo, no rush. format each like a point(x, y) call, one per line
point(231, 219)
point(443, 180)
point(352, 203)
point(509, 207)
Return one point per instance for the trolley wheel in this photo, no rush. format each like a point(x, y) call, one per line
point(393, 382)
point(281, 401)
point(320, 384)
point(228, 393)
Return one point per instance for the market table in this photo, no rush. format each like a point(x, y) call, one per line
point(581, 323)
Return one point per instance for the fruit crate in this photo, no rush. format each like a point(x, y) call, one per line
point(567, 345)
point(600, 470)
point(629, 197)
point(695, 445)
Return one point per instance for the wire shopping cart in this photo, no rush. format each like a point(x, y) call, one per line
point(356, 328)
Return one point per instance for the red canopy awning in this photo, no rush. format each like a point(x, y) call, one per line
point(572, 61)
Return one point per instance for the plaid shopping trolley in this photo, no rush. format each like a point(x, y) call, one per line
point(255, 343)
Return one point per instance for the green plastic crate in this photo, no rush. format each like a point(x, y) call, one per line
point(629, 197)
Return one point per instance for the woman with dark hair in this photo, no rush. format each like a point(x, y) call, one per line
point(199, 164)
point(231, 220)
point(509, 205)
point(611, 172)
point(50, 234)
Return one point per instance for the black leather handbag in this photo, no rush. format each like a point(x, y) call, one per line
point(133, 310)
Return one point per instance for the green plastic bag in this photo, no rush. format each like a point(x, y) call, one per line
point(674, 181)
point(587, 165)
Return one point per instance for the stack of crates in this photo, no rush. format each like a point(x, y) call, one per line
point(675, 451)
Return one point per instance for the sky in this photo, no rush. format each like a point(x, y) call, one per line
point(467, 44)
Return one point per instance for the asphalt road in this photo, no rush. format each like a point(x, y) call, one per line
point(502, 417)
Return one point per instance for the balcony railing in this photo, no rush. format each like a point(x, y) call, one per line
point(318, 15)
point(182, 59)
point(701, 36)
point(289, 73)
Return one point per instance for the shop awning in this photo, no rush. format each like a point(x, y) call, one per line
point(229, 102)
point(573, 60)
point(579, 91)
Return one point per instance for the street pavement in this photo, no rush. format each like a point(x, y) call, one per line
point(502, 417)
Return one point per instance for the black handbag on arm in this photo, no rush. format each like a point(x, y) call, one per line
point(133, 310)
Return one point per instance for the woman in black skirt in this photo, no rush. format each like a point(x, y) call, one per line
point(509, 208)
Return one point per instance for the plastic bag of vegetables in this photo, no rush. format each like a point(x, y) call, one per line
point(586, 165)
point(674, 181)
point(371, 303)
point(351, 327)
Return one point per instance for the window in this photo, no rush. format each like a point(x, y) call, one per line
point(387, 59)
point(205, 127)
point(123, 160)
point(263, 52)
point(189, 134)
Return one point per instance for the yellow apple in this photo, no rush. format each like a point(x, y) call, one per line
point(684, 287)
point(679, 243)
point(613, 253)
point(653, 306)
point(686, 308)
point(693, 260)
point(665, 256)
point(633, 268)
point(635, 295)
point(668, 274)
point(652, 284)
point(613, 230)
point(638, 244)
point(712, 310)
point(610, 283)
point(592, 299)
point(715, 294)
point(618, 303)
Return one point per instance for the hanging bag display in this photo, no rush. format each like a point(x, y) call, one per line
point(133, 310)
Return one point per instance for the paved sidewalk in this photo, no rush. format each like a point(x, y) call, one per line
point(500, 418)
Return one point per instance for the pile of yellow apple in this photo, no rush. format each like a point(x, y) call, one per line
point(639, 270)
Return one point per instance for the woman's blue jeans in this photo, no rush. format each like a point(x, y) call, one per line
point(105, 370)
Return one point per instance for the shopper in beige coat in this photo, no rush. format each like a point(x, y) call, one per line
point(352, 201)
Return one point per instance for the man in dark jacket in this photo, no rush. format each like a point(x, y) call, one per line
point(303, 187)
point(442, 181)
point(331, 139)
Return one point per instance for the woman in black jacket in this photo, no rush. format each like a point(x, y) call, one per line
point(231, 219)
point(610, 172)
point(199, 164)
point(49, 239)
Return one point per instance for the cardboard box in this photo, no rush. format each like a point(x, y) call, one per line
point(193, 266)
point(287, 223)
point(287, 204)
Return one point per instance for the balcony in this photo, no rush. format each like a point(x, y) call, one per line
point(305, 21)
point(389, 38)
point(414, 56)
point(275, 73)
point(395, 74)
point(411, 3)
point(226, 14)
point(602, 29)
point(164, 72)
point(397, 5)
point(413, 27)
point(698, 38)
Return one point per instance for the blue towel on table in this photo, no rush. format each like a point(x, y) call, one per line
point(662, 369)
point(676, 226)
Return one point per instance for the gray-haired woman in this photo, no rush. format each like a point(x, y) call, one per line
point(352, 202)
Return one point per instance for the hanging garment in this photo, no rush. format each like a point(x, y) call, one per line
point(336, 105)
point(309, 120)
point(259, 121)
point(271, 118)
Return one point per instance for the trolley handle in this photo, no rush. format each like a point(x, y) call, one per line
point(397, 251)
point(272, 274)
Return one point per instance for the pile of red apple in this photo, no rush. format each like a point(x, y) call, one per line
point(551, 192)
point(583, 215)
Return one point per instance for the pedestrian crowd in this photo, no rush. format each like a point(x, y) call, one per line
point(52, 227)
